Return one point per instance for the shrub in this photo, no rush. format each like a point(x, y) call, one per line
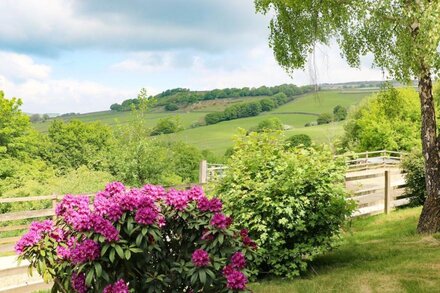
point(213, 118)
point(339, 113)
point(299, 139)
point(389, 120)
point(308, 124)
point(269, 124)
point(280, 99)
point(267, 105)
point(293, 201)
point(413, 166)
point(143, 240)
point(166, 126)
point(324, 118)
point(171, 107)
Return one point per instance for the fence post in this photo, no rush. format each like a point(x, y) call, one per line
point(54, 204)
point(388, 191)
point(203, 172)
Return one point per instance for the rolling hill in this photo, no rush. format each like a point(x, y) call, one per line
point(218, 137)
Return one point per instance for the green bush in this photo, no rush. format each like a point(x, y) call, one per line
point(280, 99)
point(293, 200)
point(267, 105)
point(213, 118)
point(324, 118)
point(413, 166)
point(166, 126)
point(299, 139)
point(171, 107)
point(388, 120)
point(269, 124)
point(339, 113)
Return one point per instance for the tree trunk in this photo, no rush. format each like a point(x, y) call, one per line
point(429, 221)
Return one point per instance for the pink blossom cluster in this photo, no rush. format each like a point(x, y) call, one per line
point(78, 282)
point(247, 241)
point(235, 280)
point(85, 251)
point(220, 221)
point(214, 205)
point(35, 233)
point(75, 211)
point(200, 258)
point(118, 287)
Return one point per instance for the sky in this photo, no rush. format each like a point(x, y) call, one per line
point(82, 56)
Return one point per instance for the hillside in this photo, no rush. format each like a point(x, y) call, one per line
point(218, 137)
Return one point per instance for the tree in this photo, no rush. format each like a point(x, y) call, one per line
point(389, 120)
point(403, 38)
point(339, 113)
point(299, 139)
point(167, 125)
point(324, 118)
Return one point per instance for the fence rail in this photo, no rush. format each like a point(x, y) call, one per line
point(376, 185)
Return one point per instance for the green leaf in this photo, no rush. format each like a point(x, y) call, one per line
point(89, 277)
point(112, 255)
point(127, 254)
point(202, 276)
point(98, 269)
point(119, 251)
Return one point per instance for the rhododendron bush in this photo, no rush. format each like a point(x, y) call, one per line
point(140, 240)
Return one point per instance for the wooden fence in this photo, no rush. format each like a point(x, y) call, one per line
point(374, 181)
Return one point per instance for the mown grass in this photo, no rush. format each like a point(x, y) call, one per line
point(377, 254)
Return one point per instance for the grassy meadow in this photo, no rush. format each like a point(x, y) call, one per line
point(218, 137)
point(377, 254)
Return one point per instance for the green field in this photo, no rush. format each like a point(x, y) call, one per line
point(218, 137)
point(377, 254)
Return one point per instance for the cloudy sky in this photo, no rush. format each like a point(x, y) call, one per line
point(81, 56)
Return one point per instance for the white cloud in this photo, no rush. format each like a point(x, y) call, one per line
point(21, 77)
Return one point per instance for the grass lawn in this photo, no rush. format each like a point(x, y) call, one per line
point(378, 254)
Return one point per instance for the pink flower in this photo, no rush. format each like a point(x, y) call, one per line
point(115, 188)
point(154, 192)
point(104, 227)
point(220, 221)
point(206, 235)
point(215, 205)
point(203, 204)
point(119, 287)
point(75, 211)
point(200, 258)
point(177, 199)
point(236, 280)
point(247, 241)
point(227, 270)
point(34, 235)
point(79, 282)
point(146, 216)
point(107, 207)
point(195, 193)
point(238, 260)
point(85, 251)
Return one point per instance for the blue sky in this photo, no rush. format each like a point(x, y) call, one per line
point(81, 56)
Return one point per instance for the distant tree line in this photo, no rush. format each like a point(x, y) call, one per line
point(173, 98)
point(248, 109)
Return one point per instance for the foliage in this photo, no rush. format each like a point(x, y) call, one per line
point(324, 118)
point(388, 120)
point(137, 162)
point(186, 97)
point(16, 136)
point(171, 107)
point(267, 105)
point(293, 200)
point(75, 143)
point(299, 139)
point(269, 124)
point(167, 125)
point(414, 169)
point(339, 113)
point(143, 240)
point(132, 104)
